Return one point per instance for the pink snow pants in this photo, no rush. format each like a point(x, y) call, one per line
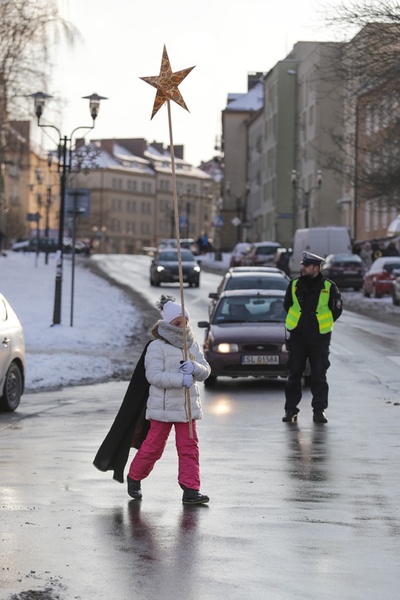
point(153, 447)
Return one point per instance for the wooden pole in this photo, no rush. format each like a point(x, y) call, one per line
point(178, 244)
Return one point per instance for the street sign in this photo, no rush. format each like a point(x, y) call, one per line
point(77, 201)
point(218, 221)
point(236, 221)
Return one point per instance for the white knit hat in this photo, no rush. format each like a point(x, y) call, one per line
point(172, 310)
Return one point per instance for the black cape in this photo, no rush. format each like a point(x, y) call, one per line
point(130, 426)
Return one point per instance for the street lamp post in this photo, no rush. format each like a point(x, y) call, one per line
point(306, 193)
point(241, 205)
point(64, 167)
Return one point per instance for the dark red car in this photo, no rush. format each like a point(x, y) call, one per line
point(378, 281)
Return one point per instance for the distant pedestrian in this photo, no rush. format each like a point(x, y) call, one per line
point(366, 254)
point(312, 304)
point(391, 250)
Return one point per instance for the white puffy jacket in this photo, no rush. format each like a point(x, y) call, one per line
point(167, 397)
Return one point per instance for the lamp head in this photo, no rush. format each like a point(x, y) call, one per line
point(94, 104)
point(39, 99)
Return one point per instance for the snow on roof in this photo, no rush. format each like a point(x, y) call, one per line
point(250, 101)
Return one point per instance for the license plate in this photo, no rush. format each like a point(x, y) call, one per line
point(260, 360)
point(350, 272)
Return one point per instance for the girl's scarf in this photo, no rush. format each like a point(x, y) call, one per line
point(174, 335)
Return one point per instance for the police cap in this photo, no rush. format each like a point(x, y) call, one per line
point(312, 259)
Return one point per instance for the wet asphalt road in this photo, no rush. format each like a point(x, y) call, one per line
point(300, 512)
point(297, 512)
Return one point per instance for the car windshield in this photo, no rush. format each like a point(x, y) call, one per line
point(266, 250)
point(173, 256)
point(257, 283)
point(390, 267)
point(250, 309)
point(345, 261)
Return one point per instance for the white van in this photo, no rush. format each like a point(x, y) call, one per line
point(321, 241)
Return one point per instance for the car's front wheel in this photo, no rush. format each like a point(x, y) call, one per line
point(210, 381)
point(13, 387)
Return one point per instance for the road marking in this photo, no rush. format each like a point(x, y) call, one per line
point(395, 359)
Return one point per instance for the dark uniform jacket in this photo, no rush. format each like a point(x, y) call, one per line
point(308, 292)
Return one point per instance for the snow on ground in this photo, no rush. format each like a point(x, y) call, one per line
point(99, 345)
point(109, 328)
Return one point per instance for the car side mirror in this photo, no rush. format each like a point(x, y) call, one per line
point(202, 324)
point(213, 295)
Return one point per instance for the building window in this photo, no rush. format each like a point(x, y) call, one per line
point(311, 115)
point(368, 120)
point(376, 215)
point(376, 119)
point(367, 224)
point(384, 213)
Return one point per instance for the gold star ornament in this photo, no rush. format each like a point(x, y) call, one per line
point(166, 84)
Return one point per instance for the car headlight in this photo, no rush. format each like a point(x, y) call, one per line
point(160, 268)
point(197, 269)
point(226, 348)
point(284, 349)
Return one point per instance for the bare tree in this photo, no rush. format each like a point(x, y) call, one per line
point(368, 145)
point(28, 31)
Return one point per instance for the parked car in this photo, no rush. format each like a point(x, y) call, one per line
point(396, 287)
point(12, 357)
point(379, 278)
point(245, 336)
point(261, 253)
point(164, 267)
point(237, 253)
point(247, 278)
point(346, 270)
point(32, 244)
point(51, 245)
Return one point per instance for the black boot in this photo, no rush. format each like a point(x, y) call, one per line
point(319, 417)
point(290, 416)
point(134, 488)
point(193, 496)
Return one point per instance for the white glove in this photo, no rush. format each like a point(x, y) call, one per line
point(187, 380)
point(187, 367)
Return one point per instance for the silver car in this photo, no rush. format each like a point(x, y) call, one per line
point(12, 357)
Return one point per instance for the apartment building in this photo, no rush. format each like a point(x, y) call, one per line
point(236, 186)
point(132, 196)
point(373, 121)
point(29, 202)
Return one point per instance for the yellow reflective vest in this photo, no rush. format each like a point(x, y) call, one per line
point(324, 314)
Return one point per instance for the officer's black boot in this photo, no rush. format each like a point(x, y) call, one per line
point(134, 488)
point(290, 416)
point(319, 417)
point(193, 496)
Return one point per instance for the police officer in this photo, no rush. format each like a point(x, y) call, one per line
point(312, 304)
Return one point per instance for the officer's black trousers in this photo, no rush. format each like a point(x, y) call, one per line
point(318, 356)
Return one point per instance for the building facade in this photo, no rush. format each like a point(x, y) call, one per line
point(132, 196)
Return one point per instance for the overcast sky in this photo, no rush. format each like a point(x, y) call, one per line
point(123, 40)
